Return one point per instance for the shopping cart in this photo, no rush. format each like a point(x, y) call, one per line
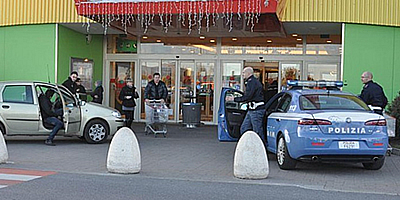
point(156, 118)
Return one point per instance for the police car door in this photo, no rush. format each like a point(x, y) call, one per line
point(276, 117)
point(230, 115)
point(72, 111)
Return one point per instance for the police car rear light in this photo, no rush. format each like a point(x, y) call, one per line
point(317, 143)
point(380, 122)
point(378, 144)
point(313, 122)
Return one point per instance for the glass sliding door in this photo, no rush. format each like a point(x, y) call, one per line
point(148, 68)
point(168, 76)
point(186, 83)
point(289, 71)
point(205, 88)
point(231, 74)
point(119, 72)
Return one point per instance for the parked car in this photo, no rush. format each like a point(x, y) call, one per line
point(20, 112)
point(315, 125)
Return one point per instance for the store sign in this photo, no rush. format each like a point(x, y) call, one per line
point(126, 46)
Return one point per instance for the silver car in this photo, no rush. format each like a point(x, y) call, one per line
point(20, 112)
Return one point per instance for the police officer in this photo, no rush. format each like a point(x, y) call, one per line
point(254, 97)
point(372, 93)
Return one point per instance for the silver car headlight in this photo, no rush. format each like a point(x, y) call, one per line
point(116, 114)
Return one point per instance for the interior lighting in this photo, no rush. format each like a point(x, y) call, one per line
point(145, 37)
point(329, 41)
point(295, 35)
point(234, 39)
point(298, 39)
point(269, 41)
point(212, 41)
point(86, 60)
point(158, 40)
point(202, 37)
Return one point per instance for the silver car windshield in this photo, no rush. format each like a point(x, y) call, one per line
point(331, 102)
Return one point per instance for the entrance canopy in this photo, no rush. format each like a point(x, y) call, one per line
point(177, 18)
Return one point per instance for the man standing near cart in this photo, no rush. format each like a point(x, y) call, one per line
point(254, 97)
point(156, 89)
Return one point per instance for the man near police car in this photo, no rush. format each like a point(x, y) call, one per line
point(372, 93)
point(254, 97)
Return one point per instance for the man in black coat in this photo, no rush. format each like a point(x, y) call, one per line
point(254, 97)
point(156, 89)
point(97, 94)
point(127, 96)
point(70, 82)
point(372, 93)
point(49, 115)
point(80, 90)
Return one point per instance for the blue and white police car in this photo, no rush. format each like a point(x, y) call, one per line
point(317, 125)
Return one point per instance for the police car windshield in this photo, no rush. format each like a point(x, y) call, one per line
point(331, 102)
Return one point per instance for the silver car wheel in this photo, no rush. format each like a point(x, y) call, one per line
point(97, 132)
point(281, 151)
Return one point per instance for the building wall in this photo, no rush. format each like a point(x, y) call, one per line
point(73, 44)
point(375, 49)
point(27, 52)
point(18, 12)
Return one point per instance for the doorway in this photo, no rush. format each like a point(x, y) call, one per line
point(119, 72)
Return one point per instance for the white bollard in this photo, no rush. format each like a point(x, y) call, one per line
point(3, 149)
point(251, 160)
point(124, 153)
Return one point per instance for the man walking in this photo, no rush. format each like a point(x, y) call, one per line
point(156, 89)
point(254, 97)
point(372, 93)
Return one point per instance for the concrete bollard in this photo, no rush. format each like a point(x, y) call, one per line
point(251, 160)
point(3, 149)
point(124, 153)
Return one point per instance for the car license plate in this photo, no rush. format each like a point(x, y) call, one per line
point(349, 145)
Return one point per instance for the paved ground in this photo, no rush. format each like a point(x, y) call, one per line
point(196, 154)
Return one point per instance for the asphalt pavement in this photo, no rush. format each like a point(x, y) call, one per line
point(196, 155)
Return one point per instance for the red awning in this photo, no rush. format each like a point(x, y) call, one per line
point(168, 18)
point(86, 7)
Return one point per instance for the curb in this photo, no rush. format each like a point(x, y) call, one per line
point(396, 151)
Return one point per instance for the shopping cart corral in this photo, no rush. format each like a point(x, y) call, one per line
point(156, 118)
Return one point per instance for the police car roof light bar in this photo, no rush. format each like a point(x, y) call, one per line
point(294, 84)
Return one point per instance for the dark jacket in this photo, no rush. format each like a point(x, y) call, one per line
point(254, 92)
point(372, 94)
point(46, 107)
point(71, 85)
point(128, 96)
point(153, 91)
point(82, 92)
point(99, 93)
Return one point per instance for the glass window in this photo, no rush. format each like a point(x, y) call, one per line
point(18, 94)
point(332, 101)
point(231, 75)
point(290, 72)
point(284, 104)
point(121, 44)
point(232, 104)
point(326, 72)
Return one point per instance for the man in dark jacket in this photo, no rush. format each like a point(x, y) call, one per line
point(254, 97)
point(80, 90)
point(372, 93)
point(97, 94)
point(156, 89)
point(127, 96)
point(70, 82)
point(49, 115)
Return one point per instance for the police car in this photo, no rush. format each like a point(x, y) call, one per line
point(316, 125)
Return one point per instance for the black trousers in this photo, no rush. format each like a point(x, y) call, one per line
point(129, 117)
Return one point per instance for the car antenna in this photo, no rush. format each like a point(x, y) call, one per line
point(48, 73)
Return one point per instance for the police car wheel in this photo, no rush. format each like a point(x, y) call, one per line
point(282, 155)
point(96, 131)
point(375, 165)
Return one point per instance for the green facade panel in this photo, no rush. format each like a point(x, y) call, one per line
point(72, 44)
point(374, 49)
point(27, 52)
